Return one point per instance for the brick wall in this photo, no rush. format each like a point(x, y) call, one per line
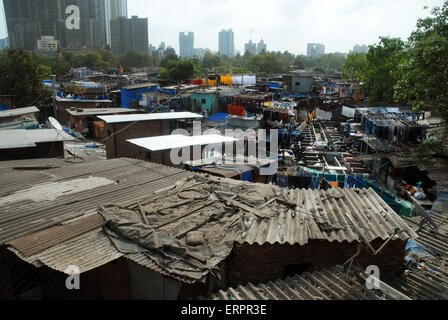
point(259, 264)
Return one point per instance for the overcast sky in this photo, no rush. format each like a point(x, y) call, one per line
point(282, 24)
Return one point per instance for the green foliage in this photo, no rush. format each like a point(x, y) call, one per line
point(178, 71)
point(57, 67)
point(167, 59)
point(379, 69)
point(136, 60)
point(424, 73)
point(355, 67)
point(22, 76)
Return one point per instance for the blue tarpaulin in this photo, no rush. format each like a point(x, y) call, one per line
point(128, 97)
point(219, 117)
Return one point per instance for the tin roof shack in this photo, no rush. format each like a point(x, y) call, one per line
point(64, 104)
point(239, 232)
point(27, 144)
point(299, 83)
point(199, 226)
point(88, 123)
point(23, 118)
point(48, 213)
point(159, 149)
point(121, 128)
point(132, 95)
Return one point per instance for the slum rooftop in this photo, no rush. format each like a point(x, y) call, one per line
point(55, 217)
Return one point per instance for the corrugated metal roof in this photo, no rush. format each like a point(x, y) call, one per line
point(141, 86)
point(324, 285)
point(150, 117)
point(87, 252)
point(179, 141)
point(131, 180)
point(78, 241)
point(315, 208)
point(429, 280)
point(18, 112)
point(21, 138)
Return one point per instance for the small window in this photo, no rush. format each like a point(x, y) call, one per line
point(298, 84)
point(204, 101)
point(148, 155)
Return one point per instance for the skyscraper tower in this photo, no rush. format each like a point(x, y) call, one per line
point(29, 20)
point(186, 45)
point(227, 43)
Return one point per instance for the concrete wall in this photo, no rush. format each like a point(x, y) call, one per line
point(260, 264)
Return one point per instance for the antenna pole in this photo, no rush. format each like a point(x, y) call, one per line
point(53, 77)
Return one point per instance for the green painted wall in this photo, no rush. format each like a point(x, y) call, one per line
point(205, 101)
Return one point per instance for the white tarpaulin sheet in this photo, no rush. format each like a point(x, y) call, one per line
point(348, 112)
point(245, 80)
point(179, 141)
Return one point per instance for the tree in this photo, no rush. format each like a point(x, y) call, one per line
point(355, 67)
point(424, 72)
point(136, 59)
point(382, 75)
point(299, 63)
point(166, 60)
point(378, 69)
point(178, 71)
point(22, 77)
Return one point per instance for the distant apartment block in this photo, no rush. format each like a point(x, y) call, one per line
point(227, 43)
point(47, 45)
point(4, 43)
point(129, 35)
point(186, 45)
point(261, 46)
point(250, 47)
point(30, 20)
point(315, 50)
point(360, 48)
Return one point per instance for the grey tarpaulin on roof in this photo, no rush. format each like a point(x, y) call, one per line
point(187, 231)
point(192, 228)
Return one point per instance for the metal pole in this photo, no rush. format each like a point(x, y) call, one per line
point(53, 77)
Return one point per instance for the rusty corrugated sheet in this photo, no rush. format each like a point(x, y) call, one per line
point(87, 252)
point(22, 217)
point(48, 238)
point(324, 285)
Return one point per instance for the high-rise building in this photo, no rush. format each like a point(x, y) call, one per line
point(250, 47)
point(360, 48)
point(261, 46)
point(315, 50)
point(30, 20)
point(186, 45)
point(118, 8)
point(129, 35)
point(227, 43)
point(201, 52)
point(4, 43)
